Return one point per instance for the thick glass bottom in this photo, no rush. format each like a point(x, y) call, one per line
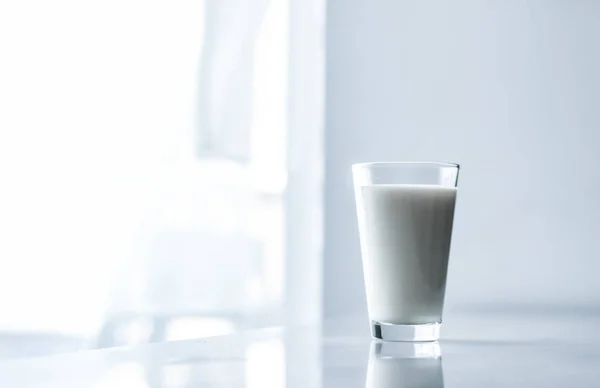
point(406, 333)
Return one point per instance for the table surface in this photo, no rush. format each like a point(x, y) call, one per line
point(520, 349)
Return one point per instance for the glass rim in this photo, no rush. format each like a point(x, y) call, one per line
point(407, 163)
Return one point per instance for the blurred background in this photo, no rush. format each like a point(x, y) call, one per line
point(174, 170)
point(161, 169)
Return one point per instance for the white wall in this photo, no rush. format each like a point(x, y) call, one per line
point(509, 89)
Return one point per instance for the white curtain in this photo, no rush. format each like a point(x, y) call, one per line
point(160, 167)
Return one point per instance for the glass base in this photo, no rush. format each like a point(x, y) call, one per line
point(426, 332)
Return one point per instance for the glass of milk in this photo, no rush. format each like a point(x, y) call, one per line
point(405, 215)
point(405, 365)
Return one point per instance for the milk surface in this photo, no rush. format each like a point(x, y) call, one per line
point(405, 233)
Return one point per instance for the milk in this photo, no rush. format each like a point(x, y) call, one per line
point(405, 233)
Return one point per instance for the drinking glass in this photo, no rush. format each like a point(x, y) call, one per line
point(405, 215)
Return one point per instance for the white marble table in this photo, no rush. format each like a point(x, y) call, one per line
point(492, 350)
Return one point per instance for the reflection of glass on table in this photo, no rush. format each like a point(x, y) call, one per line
point(405, 365)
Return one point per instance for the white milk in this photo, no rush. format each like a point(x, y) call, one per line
point(405, 233)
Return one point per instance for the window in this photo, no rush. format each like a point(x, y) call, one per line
point(144, 151)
